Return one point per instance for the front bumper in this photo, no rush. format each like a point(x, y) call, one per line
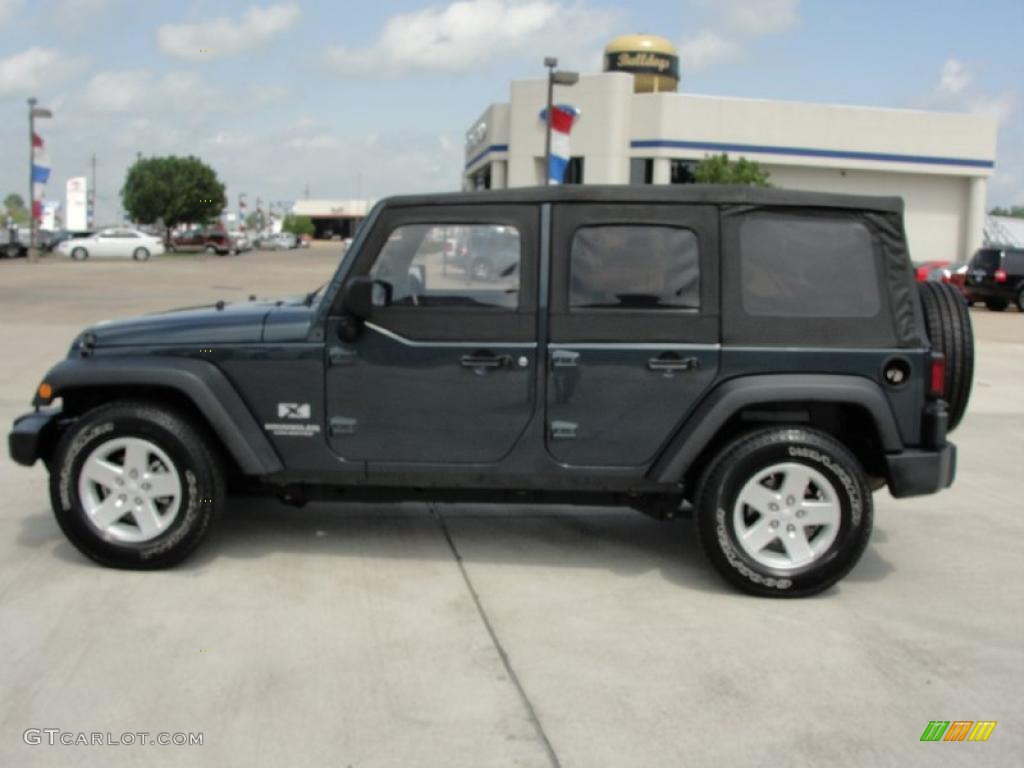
point(917, 473)
point(33, 436)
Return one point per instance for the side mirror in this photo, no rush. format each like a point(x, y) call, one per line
point(362, 294)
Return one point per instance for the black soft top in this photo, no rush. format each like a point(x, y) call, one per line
point(708, 194)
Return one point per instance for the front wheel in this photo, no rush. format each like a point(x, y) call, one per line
point(784, 512)
point(134, 485)
point(79, 254)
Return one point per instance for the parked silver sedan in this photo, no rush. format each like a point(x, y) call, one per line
point(114, 243)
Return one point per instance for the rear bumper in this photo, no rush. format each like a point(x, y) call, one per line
point(918, 473)
point(984, 292)
point(33, 435)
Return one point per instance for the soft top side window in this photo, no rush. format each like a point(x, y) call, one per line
point(807, 266)
point(634, 267)
point(452, 265)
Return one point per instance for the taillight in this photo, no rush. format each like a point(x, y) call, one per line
point(937, 385)
point(1001, 276)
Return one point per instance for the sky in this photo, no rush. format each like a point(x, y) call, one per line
point(357, 99)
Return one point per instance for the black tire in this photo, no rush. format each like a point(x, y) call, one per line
point(211, 250)
point(948, 323)
point(997, 305)
point(1020, 299)
point(738, 463)
point(141, 254)
point(79, 254)
point(195, 460)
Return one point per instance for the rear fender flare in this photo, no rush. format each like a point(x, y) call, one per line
point(729, 398)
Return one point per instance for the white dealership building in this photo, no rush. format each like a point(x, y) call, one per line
point(634, 127)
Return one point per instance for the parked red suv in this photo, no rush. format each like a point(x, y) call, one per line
point(210, 240)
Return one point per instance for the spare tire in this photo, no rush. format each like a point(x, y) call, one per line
point(948, 323)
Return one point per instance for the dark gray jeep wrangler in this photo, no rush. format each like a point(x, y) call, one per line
point(760, 359)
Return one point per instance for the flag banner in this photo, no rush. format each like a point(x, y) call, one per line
point(40, 174)
point(563, 118)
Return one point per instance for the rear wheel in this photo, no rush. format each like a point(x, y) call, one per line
point(948, 323)
point(784, 512)
point(141, 254)
point(133, 485)
point(1020, 299)
point(212, 250)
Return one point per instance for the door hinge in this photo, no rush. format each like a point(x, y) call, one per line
point(563, 430)
point(341, 425)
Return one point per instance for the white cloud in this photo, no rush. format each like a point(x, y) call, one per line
point(8, 8)
point(733, 25)
point(957, 88)
point(225, 37)
point(468, 33)
point(707, 49)
point(33, 70)
point(955, 78)
point(140, 90)
point(1000, 107)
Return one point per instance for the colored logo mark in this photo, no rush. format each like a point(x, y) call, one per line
point(958, 730)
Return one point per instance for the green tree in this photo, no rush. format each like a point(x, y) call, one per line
point(719, 169)
point(1014, 212)
point(298, 225)
point(172, 190)
point(14, 206)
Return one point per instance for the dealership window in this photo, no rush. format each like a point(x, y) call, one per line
point(481, 179)
point(634, 267)
point(641, 171)
point(807, 266)
point(451, 265)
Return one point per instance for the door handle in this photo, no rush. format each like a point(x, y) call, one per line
point(671, 363)
point(486, 361)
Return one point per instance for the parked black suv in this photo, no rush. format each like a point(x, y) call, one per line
point(996, 276)
point(760, 359)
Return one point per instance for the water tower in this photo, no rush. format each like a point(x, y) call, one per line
point(653, 61)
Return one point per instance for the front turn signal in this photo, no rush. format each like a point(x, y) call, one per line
point(45, 392)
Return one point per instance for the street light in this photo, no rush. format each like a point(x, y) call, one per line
point(555, 77)
point(33, 113)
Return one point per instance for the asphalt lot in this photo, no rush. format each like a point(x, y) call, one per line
point(352, 635)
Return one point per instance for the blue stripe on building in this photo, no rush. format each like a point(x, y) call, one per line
point(832, 154)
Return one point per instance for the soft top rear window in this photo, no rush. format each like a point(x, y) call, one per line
point(804, 266)
point(986, 258)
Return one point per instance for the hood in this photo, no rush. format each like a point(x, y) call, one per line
point(240, 323)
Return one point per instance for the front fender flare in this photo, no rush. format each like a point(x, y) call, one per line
point(201, 382)
point(732, 396)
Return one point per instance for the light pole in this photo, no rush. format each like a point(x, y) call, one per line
point(555, 77)
point(33, 113)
